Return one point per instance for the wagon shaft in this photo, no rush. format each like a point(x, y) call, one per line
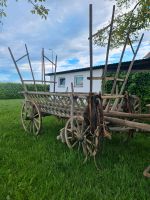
point(132, 124)
point(127, 115)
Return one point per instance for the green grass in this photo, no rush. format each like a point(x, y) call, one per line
point(43, 168)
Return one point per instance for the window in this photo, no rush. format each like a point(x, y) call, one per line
point(61, 82)
point(78, 81)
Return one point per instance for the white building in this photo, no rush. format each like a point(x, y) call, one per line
point(79, 76)
point(79, 79)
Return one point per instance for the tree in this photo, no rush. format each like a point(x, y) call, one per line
point(136, 18)
point(38, 8)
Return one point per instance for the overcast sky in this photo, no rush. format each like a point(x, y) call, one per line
point(65, 31)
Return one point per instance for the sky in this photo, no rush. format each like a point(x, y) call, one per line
point(65, 32)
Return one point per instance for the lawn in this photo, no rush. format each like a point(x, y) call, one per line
point(42, 168)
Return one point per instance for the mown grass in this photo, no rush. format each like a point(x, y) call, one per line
point(42, 168)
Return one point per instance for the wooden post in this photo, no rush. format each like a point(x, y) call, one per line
point(44, 71)
point(90, 47)
point(30, 67)
point(55, 72)
point(42, 67)
point(25, 88)
point(107, 53)
point(72, 105)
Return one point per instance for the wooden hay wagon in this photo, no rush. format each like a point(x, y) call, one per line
point(90, 117)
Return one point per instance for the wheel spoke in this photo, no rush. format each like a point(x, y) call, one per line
point(35, 125)
point(84, 149)
point(86, 130)
point(70, 137)
point(89, 149)
point(37, 120)
point(77, 123)
point(30, 126)
point(34, 131)
point(35, 115)
point(74, 143)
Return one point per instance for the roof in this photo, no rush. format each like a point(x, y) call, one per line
point(139, 65)
point(147, 55)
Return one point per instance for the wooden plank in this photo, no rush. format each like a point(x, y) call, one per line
point(120, 129)
point(39, 81)
point(79, 95)
point(132, 124)
point(106, 78)
point(126, 115)
point(112, 96)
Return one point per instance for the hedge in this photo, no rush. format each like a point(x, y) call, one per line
point(138, 84)
point(12, 90)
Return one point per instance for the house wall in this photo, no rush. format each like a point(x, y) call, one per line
point(70, 78)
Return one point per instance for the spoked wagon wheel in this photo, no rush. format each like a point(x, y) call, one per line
point(31, 117)
point(78, 135)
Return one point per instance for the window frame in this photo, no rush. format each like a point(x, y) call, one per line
point(59, 85)
point(75, 82)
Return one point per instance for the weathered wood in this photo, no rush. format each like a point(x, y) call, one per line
point(30, 67)
point(49, 60)
point(39, 81)
point(128, 73)
point(90, 47)
point(24, 86)
point(120, 129)
point(21, 58)
point(107, 53)
point(146, 172)
point(106, 78)
point(42, 66)
point(112, 96)
point(122, 122)
point(55, 72)
point(126, 115)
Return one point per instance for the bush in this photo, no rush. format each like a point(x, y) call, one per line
point(12, 90)
point(138, 84)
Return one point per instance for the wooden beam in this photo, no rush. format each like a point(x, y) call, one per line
point(106, 78)
point(126, 115)
point(132, 124)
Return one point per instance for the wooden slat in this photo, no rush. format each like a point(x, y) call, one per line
point(106, 78)
point(112, 96)
point(39, 81)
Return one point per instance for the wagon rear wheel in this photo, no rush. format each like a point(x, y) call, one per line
point(78, 135)
point(31, 117)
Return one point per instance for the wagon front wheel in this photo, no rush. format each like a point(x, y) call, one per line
point(73, 131)
point(76, 135)
point(31, 117)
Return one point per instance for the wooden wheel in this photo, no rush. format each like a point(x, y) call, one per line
point(31, 117)
point(79, 135)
